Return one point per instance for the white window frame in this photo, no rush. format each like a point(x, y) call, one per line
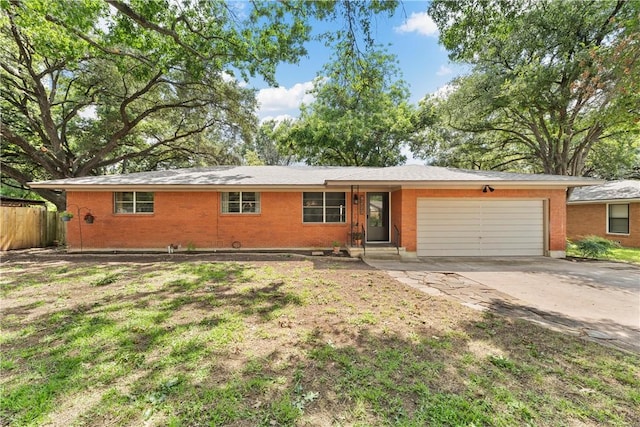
point(628, 218)
point(134, 203)
point(343, 208)
point(224, 204)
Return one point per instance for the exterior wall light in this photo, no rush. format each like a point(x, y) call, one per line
point(487, 188)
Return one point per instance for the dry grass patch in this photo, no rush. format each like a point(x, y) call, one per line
point(211, 340)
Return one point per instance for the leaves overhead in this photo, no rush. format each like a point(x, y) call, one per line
point(551, 81)
point(360, 115)
point(99, 86)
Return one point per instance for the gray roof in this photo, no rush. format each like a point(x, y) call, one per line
point(420, 173)
point(309, 176)
point(613, 190)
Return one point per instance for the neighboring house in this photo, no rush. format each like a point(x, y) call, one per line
point(610, 210)
point(428, 211)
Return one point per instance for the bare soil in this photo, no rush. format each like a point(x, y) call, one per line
point(327, 325)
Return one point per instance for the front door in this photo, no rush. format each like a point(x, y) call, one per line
point(377, 217)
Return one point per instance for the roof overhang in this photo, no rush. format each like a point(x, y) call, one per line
point(277, 178)
point(604, 201)
point(382, 184)
point(464, 184)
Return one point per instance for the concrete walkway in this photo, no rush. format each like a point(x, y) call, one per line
point(593, 299)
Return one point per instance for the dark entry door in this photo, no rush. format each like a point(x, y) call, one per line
point(377, 217)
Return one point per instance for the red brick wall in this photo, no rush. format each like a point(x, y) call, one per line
point(195, 217)
point(397, 217)
point(591, 219)
point(556, 200)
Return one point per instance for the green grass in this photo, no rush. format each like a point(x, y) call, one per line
point(284, 343)
point(630, 255)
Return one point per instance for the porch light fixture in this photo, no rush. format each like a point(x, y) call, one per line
point(487, 188)
point(355, 199)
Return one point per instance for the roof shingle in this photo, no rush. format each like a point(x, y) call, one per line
point(613, 190)
point(306, 176)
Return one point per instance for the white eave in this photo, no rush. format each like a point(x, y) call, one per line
point(603, 201)
point(468, 184)
point(274, 178)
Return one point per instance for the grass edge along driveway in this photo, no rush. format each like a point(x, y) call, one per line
point(212, 341)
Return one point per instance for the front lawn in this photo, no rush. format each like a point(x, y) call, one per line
point(206, 340)
point(630, 255)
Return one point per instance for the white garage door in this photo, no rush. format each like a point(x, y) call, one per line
point(480, 227)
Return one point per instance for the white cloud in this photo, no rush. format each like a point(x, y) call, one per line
point(420, 23)
point(406, 151)
point(275, 99)
point(444, 71)
point(444, 91)
point(88, 112)
point(228, 77)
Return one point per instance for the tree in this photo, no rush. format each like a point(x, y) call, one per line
point(98, 86)
point(360, 115)
point(615, 158)
point(551, 81)
point(269, 146)
point(442, 145)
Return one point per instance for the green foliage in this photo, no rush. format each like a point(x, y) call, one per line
point(107, 279)
point(442, 145)
point(66, 214)
point(595, 246)
point(94, 87)
point(360, 115)
point(551, 82)
point(269, 146)
point(617, 157)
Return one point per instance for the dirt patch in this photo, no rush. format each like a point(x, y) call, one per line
point(277, 339)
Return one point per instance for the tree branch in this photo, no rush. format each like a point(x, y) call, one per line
point(143, 22)
point(56, 198)
point(52, 166)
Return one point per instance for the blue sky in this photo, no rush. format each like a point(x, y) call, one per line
point(409, 34)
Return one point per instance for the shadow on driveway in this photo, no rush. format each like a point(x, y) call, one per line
point(597, 300)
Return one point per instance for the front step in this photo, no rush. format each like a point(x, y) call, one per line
point(377, 252)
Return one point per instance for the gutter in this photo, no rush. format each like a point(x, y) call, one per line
point(386, 184)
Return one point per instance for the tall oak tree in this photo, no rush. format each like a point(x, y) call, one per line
point(551, 81)
point(97, 86)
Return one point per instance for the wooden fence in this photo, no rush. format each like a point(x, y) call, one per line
point(30, 227)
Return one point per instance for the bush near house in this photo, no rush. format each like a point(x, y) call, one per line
point(595, 247)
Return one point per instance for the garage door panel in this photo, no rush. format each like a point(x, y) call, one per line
point(526, 241)
point(454, 243)
point(498, 252)
point(452, 252)
point(509, 233)
point(457, 231)
point(480, 228)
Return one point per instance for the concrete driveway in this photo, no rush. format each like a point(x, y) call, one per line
point(594, 299)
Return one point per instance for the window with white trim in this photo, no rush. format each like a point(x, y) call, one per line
point(325, 207)
point(240, 202)
point(618, 218)
point(133, 202)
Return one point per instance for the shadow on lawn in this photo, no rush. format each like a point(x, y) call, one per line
point(210, 349)
point(75, 347)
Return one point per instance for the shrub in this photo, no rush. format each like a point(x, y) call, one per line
point(595, 246)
